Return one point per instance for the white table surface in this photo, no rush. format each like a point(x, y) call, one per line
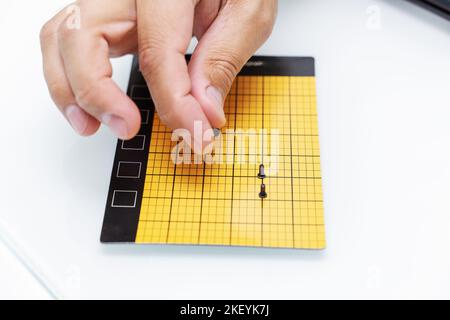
point(383, 79)
point(17, 282)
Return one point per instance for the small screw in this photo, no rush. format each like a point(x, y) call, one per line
point(263, 193)
point(216, 132)
point(261, 173)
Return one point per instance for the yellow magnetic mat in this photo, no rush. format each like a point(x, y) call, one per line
point(219, 203)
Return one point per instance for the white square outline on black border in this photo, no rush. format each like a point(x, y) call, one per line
point(147, 116)
point(128, 191)
point(135, 149)
point(129, 177)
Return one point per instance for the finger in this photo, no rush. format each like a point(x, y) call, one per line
point(59, 87)
point(205, 14)
point(238, 31)
point(164, 32)
point(85, 53)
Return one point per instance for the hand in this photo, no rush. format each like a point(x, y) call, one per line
point(78, 71)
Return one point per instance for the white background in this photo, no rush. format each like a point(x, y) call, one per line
point(384, 111)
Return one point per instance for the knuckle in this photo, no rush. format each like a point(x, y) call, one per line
point(265, 22)
point(62, 28)
point(167, 117)
point(145, 59)
point(261, 14)
point(264, 17)
point(86, 95)
point(47, 31)
point(52, 27)
point(59, 93)
point(148, 62)
point(63, 32)
point(224, 69)
point(171, 112)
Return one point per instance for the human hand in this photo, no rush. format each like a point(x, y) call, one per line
point(78, 71)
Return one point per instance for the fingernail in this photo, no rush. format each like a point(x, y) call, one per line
point(217, 98)
point(77, 118)
point(117, 125)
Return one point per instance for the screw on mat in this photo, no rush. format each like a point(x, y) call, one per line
point(261, 173)
point(263, 193)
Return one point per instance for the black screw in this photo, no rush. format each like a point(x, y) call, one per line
point(262, 192)
point(216, 132)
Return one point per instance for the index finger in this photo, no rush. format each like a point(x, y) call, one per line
point(164, 31)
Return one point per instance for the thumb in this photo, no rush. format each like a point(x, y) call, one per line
point(238, 31)
point(164, 31)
